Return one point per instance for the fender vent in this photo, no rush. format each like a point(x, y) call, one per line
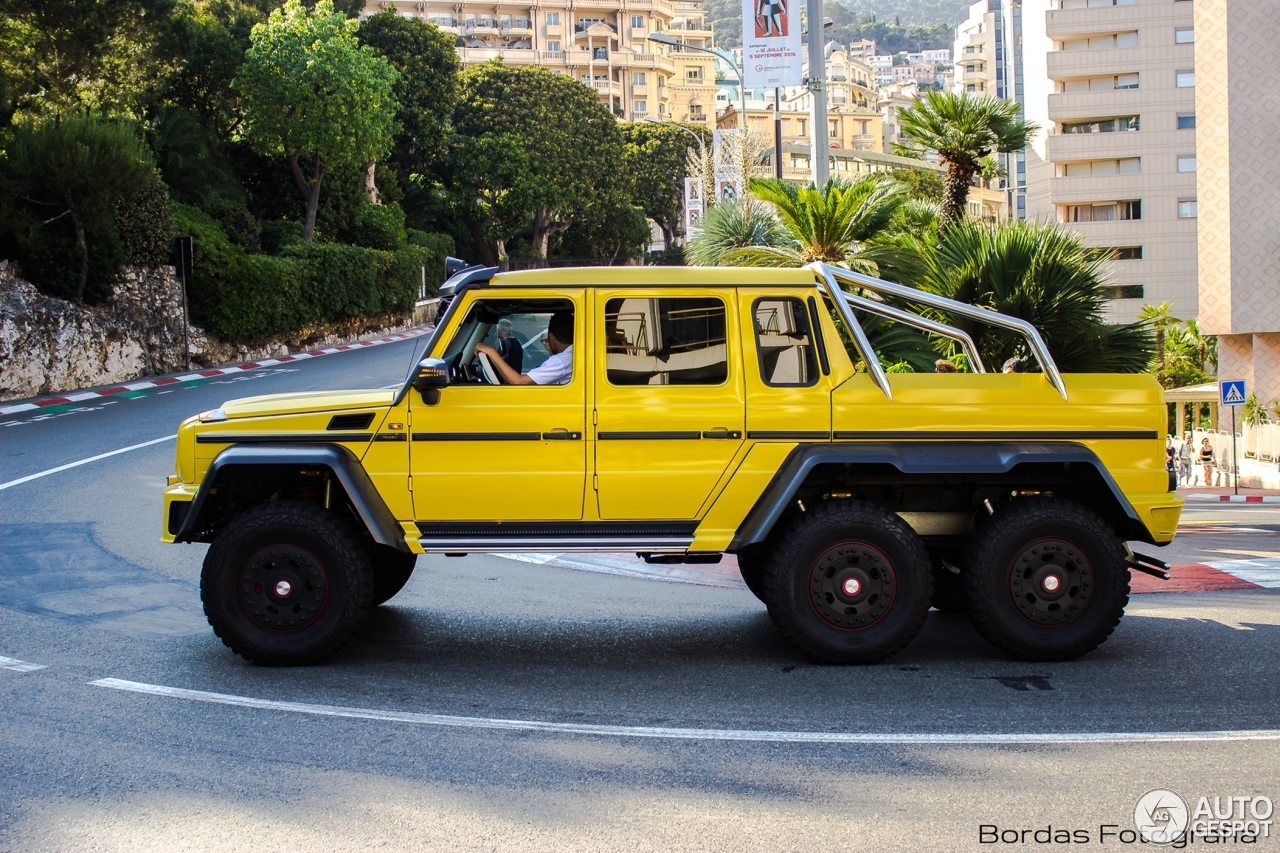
point(345, 422)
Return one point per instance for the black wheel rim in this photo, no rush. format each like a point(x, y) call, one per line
point(283, 588)
point(852, 585)
point(1051, 581)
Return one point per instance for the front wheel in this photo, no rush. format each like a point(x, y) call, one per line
point(1046, 580)
point(286, 583)
point(849, 582)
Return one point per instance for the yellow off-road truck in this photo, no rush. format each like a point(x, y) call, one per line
point(682, 414)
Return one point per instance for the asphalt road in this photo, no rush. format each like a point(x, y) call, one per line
point(88, 592)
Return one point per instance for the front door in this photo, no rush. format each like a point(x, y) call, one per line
point(497, 452)
point(668, 399)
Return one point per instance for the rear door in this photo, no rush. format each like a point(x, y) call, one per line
point(668, 399)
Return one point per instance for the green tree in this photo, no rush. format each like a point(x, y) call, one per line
point(1041, 274)
point(313, 93)
point(963, 130)
point(426, 89)
point(490, 183)
point(727, 228)
point(62, 55)
point(655, 162)
point(830, 225)
point(923, 184)
point(75, 168)
point(208, 41)
point(575, 148)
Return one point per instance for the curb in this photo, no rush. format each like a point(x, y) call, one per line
point(1252, 499)
point(44, 402)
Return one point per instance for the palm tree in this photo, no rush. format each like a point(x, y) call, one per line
point(963, 130)
point(1160, 318)
point(1036, 272)
point(727, 227)
point(831, 225)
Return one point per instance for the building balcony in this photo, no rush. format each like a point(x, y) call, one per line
point(1064, 64)
point(606, 87)
point(1069, 147)
point(1060, 23)
point(976, 72)
point(481, 28)
point(516, 28)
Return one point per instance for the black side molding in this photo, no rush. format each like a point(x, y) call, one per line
point(346, 469)
point(951, 457)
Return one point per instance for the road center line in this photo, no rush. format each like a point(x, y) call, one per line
point(37, 476)
point(20, 665)
point(752, 735)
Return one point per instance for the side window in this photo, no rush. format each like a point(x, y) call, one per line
point(517, 329)
point(665, 341)
point(784, 342)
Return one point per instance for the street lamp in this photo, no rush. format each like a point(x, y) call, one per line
point(662, 38)
point(777, 110)
point(702, 148)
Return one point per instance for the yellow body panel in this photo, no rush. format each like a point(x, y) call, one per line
point(653, 459)
point(639, 476)
point(489, 478)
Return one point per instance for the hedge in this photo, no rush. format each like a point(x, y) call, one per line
point(242, 297)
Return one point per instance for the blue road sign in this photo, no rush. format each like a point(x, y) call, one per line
point(1231, 392)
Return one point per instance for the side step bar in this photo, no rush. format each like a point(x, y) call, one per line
point(562, 545)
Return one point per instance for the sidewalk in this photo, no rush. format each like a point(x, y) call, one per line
point(1227, 494)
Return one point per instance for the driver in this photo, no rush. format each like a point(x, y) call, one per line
point(556, 370)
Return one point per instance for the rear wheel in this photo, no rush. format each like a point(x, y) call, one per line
point(1046, 580)
point(391, 571)
point(849, 582)
point(286, 583)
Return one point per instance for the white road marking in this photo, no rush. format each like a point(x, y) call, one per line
point(752, 735)
point(37, 476)
point(20, 666)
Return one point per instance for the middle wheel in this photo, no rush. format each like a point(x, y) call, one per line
point(849, 582)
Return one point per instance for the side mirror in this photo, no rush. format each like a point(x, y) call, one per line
point(432, 375)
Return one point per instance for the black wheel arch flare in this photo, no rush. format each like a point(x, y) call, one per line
point(949, 458)
point(346, 469)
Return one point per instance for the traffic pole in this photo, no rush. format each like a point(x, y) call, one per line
point(1235, 460)
point(777, 134)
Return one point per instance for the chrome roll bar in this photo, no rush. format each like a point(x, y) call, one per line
point(940, 329)
point(832, 275)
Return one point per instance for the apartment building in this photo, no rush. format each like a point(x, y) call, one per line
point(864, 49)
point(1112, 87)
point(980, 49)
point(603, 43)
point(1237, 146)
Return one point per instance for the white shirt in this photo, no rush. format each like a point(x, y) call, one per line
point(556, 370)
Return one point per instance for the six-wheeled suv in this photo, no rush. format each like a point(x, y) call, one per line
point(682, 414)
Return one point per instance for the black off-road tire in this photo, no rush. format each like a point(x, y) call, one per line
point(811, 598)
point(391, 571)
point(321, 557)
point(751, 563)
point(1047, 580)
point(949, 593)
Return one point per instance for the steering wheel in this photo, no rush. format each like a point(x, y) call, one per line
point(483, 359)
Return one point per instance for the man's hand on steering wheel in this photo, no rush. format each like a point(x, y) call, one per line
point(500, 367)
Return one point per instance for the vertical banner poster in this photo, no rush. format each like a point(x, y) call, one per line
point(692, 206)
point(728, 168)
point(771, 43)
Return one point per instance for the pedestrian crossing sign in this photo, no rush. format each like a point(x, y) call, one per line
point(1232, 392)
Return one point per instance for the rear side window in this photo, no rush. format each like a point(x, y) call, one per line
point(665, 341)
point(784, 342)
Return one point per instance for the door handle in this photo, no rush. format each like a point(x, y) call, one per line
point(722, 433)
point(561, 435)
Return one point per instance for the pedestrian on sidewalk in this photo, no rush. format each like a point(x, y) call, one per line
point(1207, 460)
point(1185, 454)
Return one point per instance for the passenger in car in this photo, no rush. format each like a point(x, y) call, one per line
point(556, 370)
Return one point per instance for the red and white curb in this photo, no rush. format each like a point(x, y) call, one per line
point(45, 402)
point(1242, 499)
